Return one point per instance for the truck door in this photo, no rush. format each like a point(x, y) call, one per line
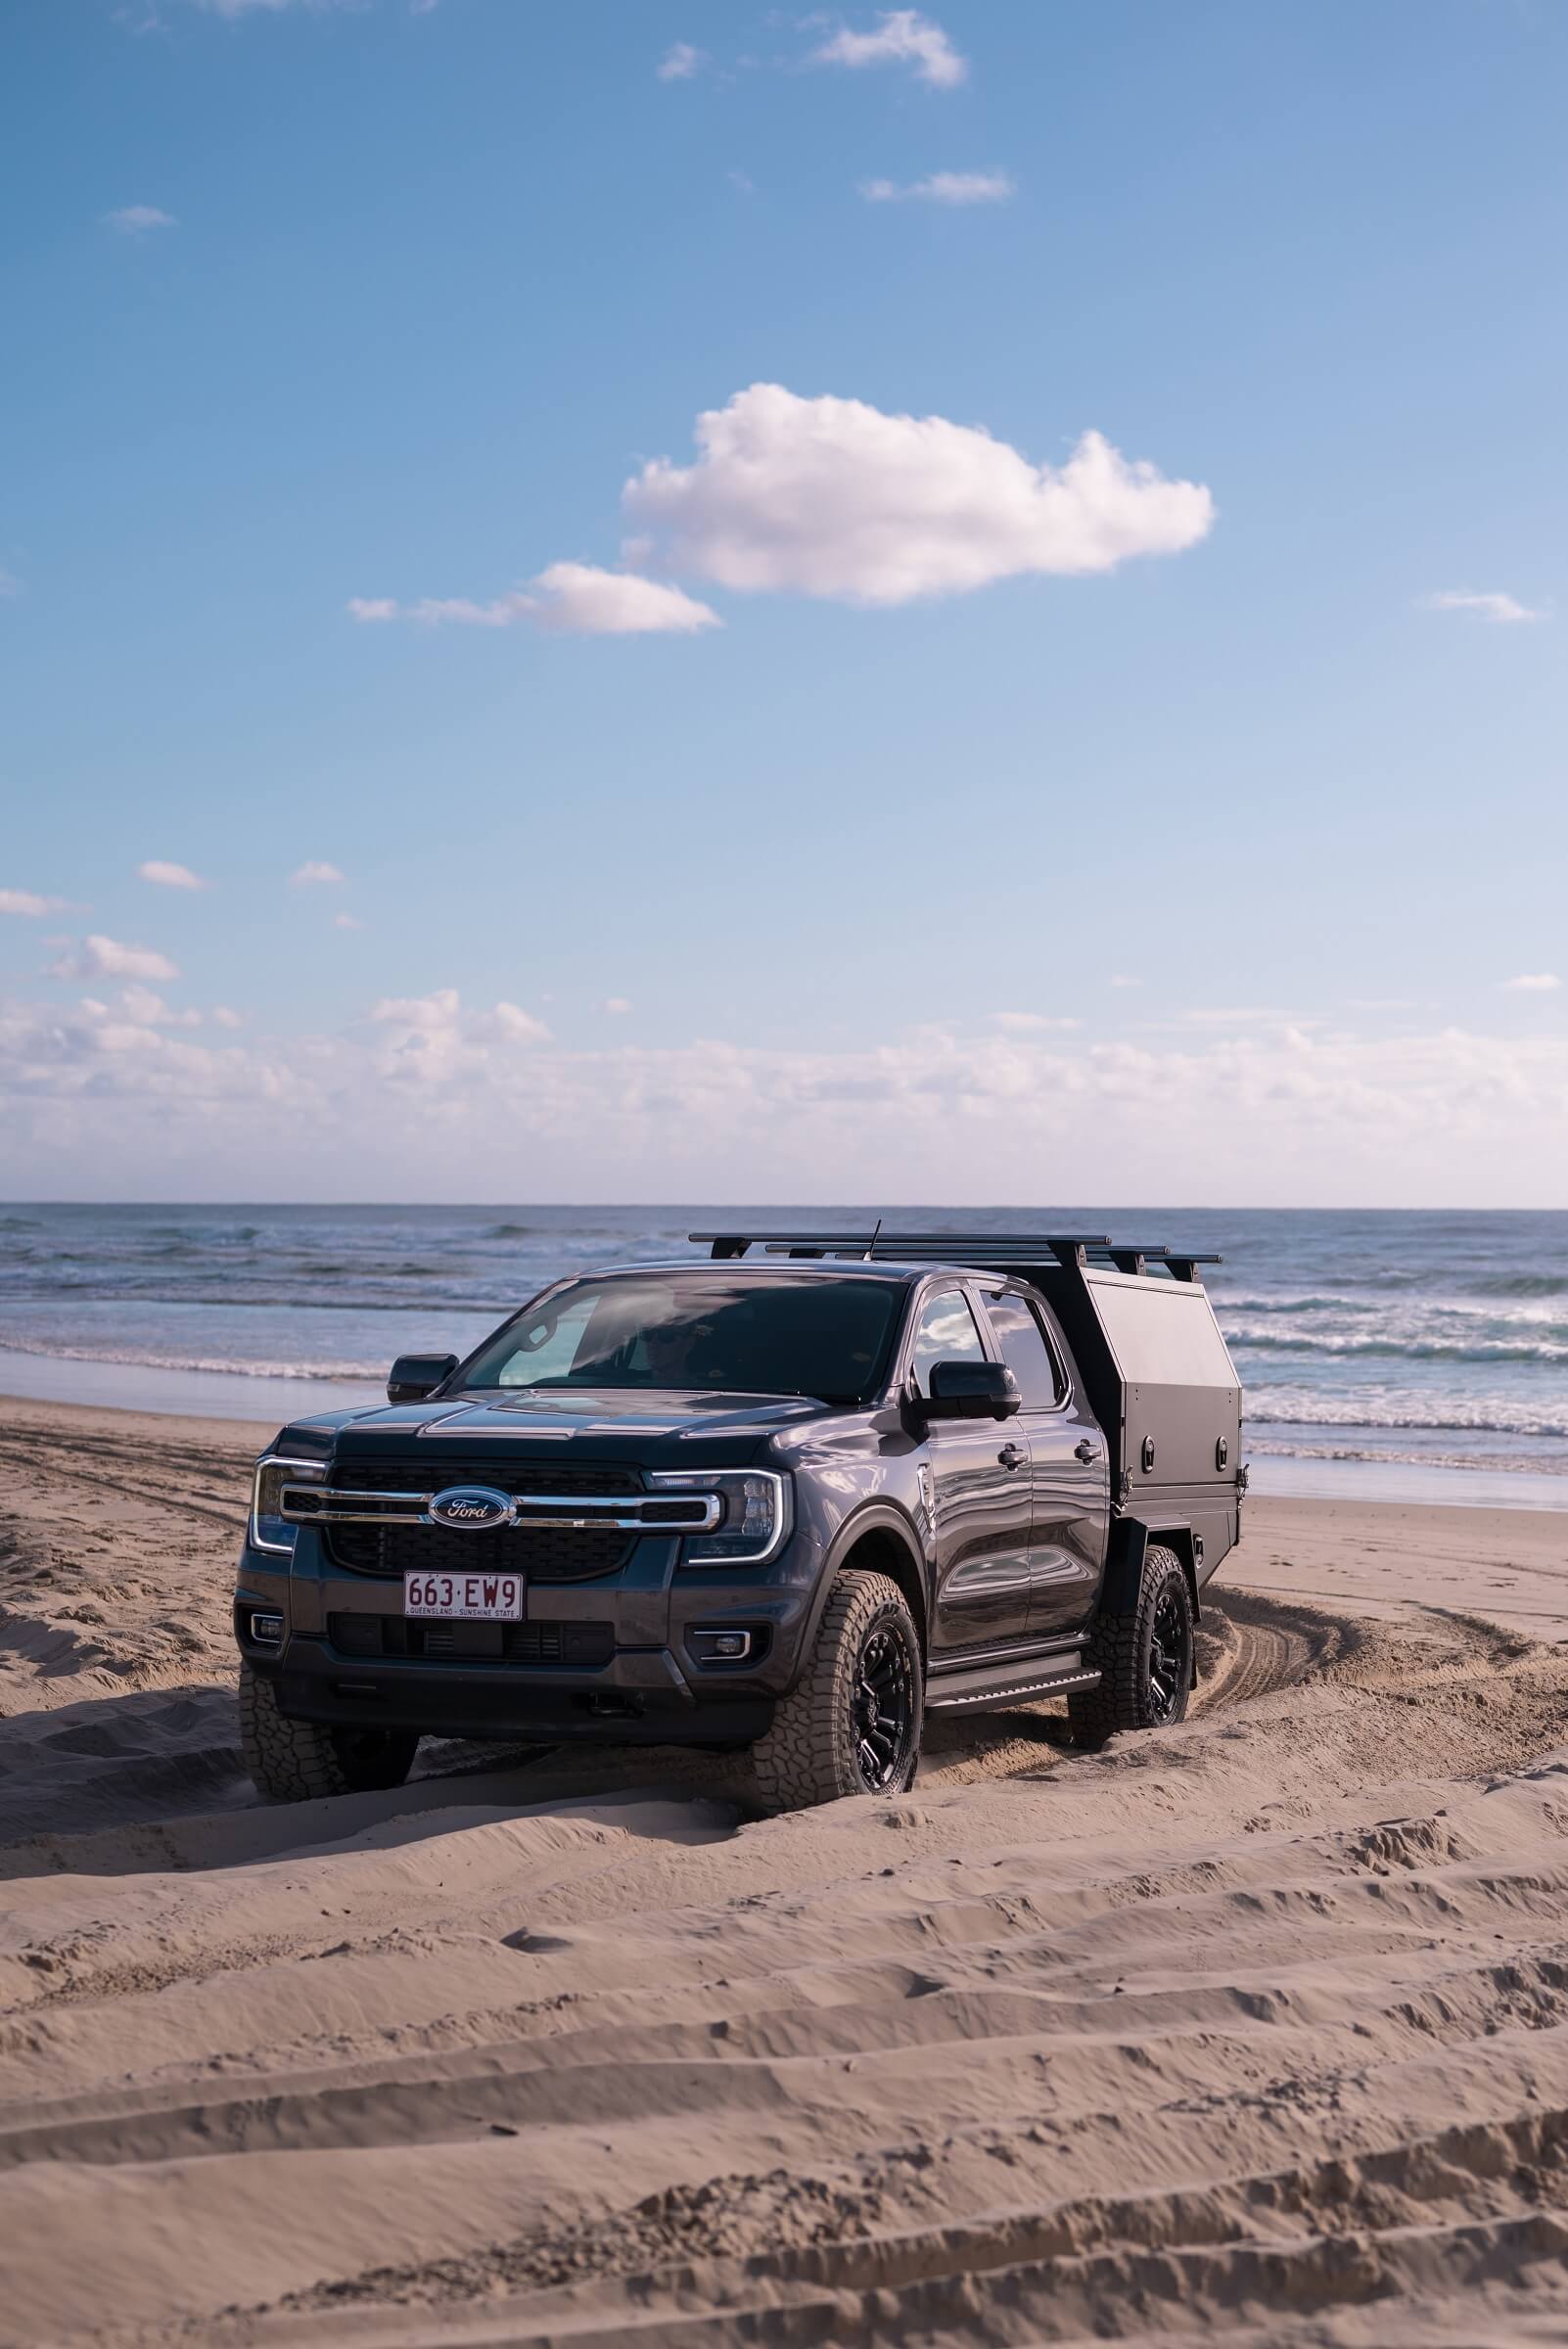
point(980, 1499)
point(1069, 1472)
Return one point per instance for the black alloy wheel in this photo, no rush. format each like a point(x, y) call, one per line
point(883, 1706)
point(1170, 1667)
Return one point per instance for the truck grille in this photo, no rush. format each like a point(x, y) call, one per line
point(542, 1553)
point(587, 1645)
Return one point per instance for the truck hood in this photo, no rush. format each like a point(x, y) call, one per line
point(602, 1424)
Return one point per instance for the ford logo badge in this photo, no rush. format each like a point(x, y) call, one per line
point(473, 1508)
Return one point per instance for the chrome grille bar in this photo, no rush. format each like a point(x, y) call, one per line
point(322, 1505)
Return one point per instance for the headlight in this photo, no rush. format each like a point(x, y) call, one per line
point(756, 1522)
point(270, 1530)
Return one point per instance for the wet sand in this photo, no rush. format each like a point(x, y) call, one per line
point(1256, 2029)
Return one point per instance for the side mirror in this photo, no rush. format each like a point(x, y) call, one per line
point(971, 1391)
point(416, 1375)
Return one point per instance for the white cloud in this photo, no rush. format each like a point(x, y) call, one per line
point(1029, 1022)
point(313, 874)
point(10, 586)
point(1431, 1119)
point(1504, 610)
point(572, 599)
point(616, 603)
point(168, 876)
point(101, 957)
point(942, 187)
point(680, 62)
point(226, 1018)
point(135, 220)
point(832, 497)
point(346, 921)
point(147, 1010)
point(1123, 979)
point(903, 37)
point(1533, 983)
point(616, 1004)
point(27, 902)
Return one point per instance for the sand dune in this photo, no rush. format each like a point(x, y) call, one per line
point(1256, 2029)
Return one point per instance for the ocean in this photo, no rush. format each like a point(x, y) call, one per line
point(1391, 1354)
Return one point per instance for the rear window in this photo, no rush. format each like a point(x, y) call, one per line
point(733, 1334)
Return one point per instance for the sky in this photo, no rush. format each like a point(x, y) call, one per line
point(660, 599)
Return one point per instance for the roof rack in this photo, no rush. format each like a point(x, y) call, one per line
point(990, 1249)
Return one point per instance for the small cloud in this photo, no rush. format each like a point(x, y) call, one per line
point(136, 219)
point(226, 1018)
point(742, 181)
point(944, 187)
point(25, 900)
point(1382, 1003)
point(1029, 1022)
point(520, 1026)
point(168, 876)
point(106, 958)
point(145, 1010)
point(616, 1004)
point(903, 37)
point(313, 874)
point(1503, 611)
point(1121, 978)
point(373, 607)
point(346, 921)
point(1533, 983)
point(680, 62)
point(572, 599)
point(10, 587)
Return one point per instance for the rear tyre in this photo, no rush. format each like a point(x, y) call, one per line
point(852, 1724)
point(1144, 1659)
point(295, 1761)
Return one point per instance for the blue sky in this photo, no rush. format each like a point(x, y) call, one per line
point(942, 819)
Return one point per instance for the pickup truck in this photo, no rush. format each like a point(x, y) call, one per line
point(794, 1497)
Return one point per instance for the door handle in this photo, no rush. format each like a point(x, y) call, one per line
point(1012, 1455)
point(1085, 1451)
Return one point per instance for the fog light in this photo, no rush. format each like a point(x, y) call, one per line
point(266, 1629)
point(722, 1647)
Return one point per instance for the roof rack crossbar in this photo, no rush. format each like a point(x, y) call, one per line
point(1073, 1249)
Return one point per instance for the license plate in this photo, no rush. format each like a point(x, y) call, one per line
point(465, 1597)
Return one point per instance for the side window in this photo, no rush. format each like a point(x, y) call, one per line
point(1031, 1361)
point(945, 1332)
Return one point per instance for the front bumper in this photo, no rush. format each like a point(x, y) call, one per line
point(649, 1684)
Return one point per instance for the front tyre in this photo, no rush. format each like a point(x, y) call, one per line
point(295, 1761)
point(1144, 1658)
point(852, 1723)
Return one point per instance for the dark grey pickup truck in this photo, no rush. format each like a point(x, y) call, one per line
point(795, 1495)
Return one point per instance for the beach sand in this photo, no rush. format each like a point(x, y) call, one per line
point(1256, 2029)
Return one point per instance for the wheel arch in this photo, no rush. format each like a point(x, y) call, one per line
point(879, 1540)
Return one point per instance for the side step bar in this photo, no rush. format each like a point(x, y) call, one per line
point(991, 1687)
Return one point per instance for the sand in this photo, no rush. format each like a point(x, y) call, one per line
point(1256, 2029)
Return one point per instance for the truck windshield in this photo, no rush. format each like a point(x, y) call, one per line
point(765, 1335)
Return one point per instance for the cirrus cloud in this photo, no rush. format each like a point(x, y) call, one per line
point(136, 219)
point(942, 187)
point(1533, 983)
point(1503, 611)
point(833, 497)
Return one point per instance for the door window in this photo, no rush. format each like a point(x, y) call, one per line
point(945, 1332)
point(1024, 1351)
